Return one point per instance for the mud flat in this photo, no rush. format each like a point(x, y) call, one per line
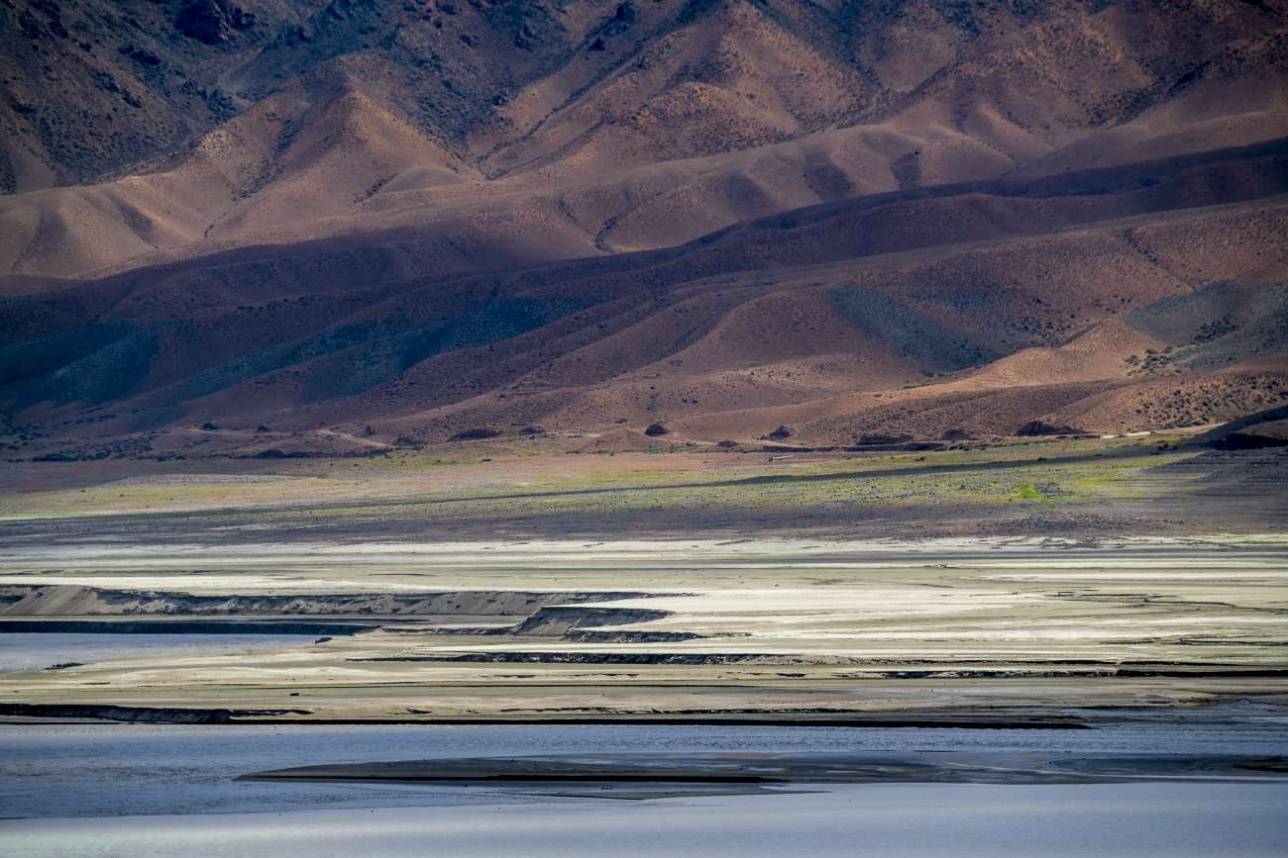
point(660, 774)
point(968, 632)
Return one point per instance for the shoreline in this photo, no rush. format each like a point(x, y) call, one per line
point(112, 713)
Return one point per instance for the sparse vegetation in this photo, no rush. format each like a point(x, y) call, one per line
point(477, 433)
point(1028, 491)
point(384, 492)
point(1038, 428)
point(877, 439)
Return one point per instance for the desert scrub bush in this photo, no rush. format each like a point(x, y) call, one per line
point(1028, 491)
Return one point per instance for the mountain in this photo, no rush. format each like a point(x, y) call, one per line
point(242, 227)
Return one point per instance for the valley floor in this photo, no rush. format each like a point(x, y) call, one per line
point(1002, 584)
point(1159, 484)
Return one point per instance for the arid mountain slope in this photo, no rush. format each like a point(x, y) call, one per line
point(613, 126)
point(1110, 300)
point(238, 226)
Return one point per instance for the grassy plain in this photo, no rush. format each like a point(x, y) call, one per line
point(523, 488)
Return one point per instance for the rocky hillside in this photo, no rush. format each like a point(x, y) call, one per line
point(246, 226)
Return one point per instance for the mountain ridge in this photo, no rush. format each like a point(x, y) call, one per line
point(441, 220)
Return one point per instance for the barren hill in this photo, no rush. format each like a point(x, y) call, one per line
point(258, 227)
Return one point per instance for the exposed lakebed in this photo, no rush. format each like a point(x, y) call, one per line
point(960, 631)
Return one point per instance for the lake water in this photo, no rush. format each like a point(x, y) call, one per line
point(106, 790)
point(39, 650)
point(906, 820)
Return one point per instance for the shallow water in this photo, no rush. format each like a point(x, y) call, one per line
point(1172, 819)
point(113, 769)
point(39, 650)
point(125, 789)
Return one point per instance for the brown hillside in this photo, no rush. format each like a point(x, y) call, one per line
point(368, 224)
